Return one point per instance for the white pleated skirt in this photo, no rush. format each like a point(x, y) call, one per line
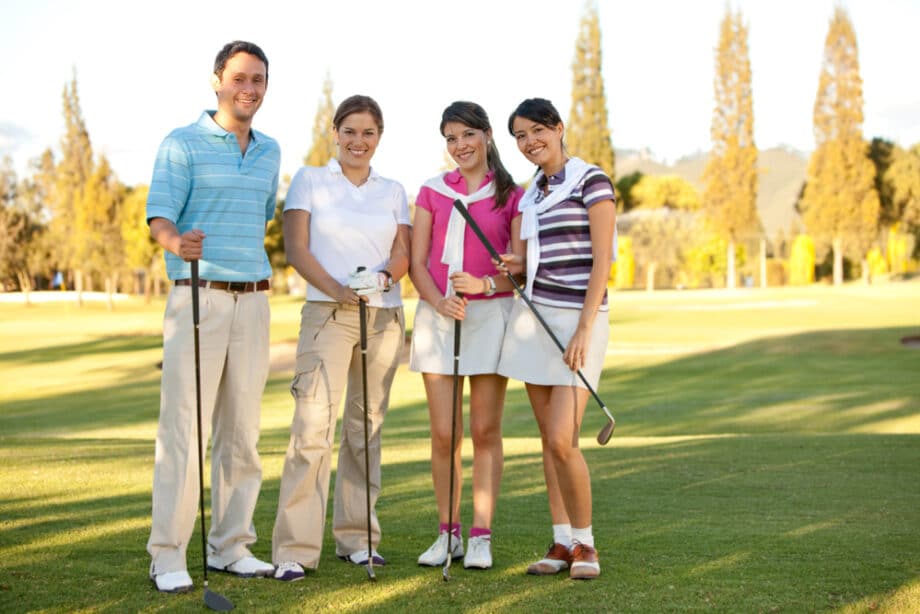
point(529, 354)
point(481, 334)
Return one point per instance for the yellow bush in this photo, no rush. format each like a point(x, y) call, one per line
point(802, 261)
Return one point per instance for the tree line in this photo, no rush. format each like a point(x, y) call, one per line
point(71, 223)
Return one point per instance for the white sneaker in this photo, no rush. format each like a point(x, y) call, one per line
point(359, 557)
point(479, 552)
point(289, 571)
point(436, 555)
point(173, 582)
point(246, 567)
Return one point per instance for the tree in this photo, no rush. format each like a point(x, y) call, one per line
point(659, 239)
point(882, 153)
point(323, 147)
point(141, 252)
point(730, 176)
point(587, 133)
point(904, 178)
point(71, 175)
point(97, 224)
point(840, 205)
point(20, 231)
point(668, 191)
point(624, 187)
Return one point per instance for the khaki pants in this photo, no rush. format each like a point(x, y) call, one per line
point(328, 358)
point(234, 344)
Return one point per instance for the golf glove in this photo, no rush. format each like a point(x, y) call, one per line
point(364, 282)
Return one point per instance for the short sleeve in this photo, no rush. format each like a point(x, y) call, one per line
point(423, 200)
point(402, 205)
point(171, 183)
point(299, 193)
point(597, 188)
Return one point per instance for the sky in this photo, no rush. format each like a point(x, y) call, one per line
point(143, 69)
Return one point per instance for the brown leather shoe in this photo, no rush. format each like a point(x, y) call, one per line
point(585, 564)
point(557, 558)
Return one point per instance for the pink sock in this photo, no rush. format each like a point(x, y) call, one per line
point(477, 532)
point(455, 528)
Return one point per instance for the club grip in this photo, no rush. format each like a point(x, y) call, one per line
point(194, 264)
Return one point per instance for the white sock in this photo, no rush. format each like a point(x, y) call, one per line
point(583, 536)
point(562, 534)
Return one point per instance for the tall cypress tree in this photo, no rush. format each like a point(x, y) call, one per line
point(840, 205)
point(730, 176)
point(587, 133)
point(323, 147)
point(71, 176)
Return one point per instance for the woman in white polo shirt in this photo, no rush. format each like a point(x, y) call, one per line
point(338, 218)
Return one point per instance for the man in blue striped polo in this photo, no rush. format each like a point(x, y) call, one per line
point(213, 190)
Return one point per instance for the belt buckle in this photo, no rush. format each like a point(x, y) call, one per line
point(237, 286)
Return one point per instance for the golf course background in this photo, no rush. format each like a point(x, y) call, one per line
point(766, 459)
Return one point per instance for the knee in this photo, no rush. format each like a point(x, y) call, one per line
point(440, 442)
point(486, 435)
point(559, 448)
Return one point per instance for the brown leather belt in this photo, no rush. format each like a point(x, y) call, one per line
point(229, 286)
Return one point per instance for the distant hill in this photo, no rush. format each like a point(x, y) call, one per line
point(782, 172)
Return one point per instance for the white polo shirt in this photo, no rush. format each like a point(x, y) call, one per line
point(350, 226)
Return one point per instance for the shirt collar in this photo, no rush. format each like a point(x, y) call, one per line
point(454, 178)
point(336, 169)
point(552, 180)
point(206, 122)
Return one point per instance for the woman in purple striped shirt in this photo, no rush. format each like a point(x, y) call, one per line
point(568, 220)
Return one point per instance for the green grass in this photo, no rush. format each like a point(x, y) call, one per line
point(766, 459)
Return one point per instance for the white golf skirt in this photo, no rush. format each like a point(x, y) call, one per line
point(529, 354)
point(481, 333)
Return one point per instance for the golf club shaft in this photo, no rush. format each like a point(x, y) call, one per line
point(196, 321)
point(362, 315)
point(607, 431)
point(453, 443)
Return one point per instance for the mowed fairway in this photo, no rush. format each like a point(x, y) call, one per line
point(766, 459)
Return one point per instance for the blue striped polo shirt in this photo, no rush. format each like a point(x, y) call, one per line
point(565, 242)
point(202, 180)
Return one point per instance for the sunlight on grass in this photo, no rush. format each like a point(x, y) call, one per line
point(811, 528)
point(904, 599)
point(765, 459)
point(717, 565)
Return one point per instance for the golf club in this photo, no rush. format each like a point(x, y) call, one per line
point(215, 601)
point(453, 442)
point(362, 313)
point(607, 431)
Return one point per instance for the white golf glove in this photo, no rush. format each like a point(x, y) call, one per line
point(363, 282)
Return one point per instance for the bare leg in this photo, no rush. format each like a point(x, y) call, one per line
point(487, 400)
point(438, 389)
point(559, 411)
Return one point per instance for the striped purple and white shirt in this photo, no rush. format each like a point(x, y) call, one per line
point(565, 242)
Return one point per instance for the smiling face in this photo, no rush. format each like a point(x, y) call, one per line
point(357, 137)
point(241, 87)
point(467, 146)
point(540, 144)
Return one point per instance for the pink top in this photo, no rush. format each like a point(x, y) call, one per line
point(496, 225)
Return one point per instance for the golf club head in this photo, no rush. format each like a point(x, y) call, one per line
point(370, 574)
point(606, 433)
point(446, 573)
point(217, 602)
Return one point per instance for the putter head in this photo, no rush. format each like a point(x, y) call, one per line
point(217, 602)
point(606, 433)
point(445, 573)
point(370, 574)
